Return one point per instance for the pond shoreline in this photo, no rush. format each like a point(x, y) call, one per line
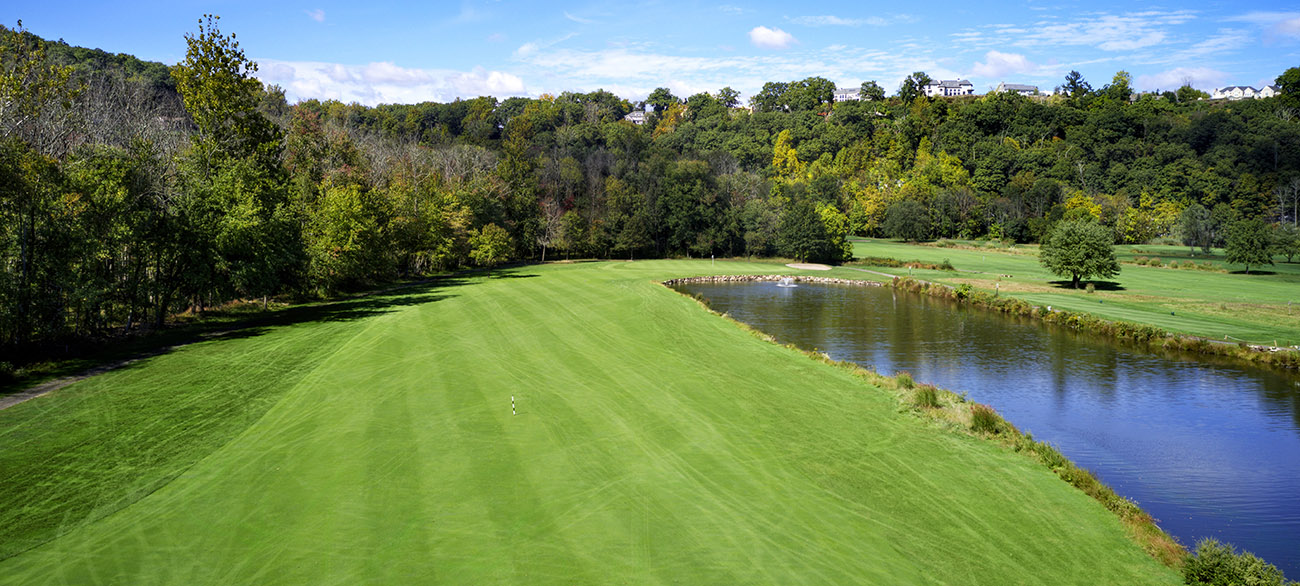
point(959, 415)
point(1122, 331)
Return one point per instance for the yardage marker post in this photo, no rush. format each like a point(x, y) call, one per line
point(512, 405)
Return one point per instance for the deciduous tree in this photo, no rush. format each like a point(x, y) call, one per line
point(871, 91)
point(1079, 249)
point(1250, 242)
point(914, 86)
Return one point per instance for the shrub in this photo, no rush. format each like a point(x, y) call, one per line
point(946, 265)
point(1142, 260)
point(1155, 262)
point(905, 380)
point(7, 373)
point(926, 397)
point(1218, 563)
point(984, 419)
point(1173, 264)
point(963, 291)
point(1090, 288)
point(1050, 456)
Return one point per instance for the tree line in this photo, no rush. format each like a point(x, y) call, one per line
point(127, 196)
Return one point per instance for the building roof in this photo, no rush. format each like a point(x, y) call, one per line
point(949, 82)
point(1018, 87)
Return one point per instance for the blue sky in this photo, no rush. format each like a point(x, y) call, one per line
point(378, 52)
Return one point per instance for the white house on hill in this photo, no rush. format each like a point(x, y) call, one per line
point(845, 94)
point(1024, 90)
point(1235, 92)
point(1269, 91)
point(949, 87)
point(636, 117)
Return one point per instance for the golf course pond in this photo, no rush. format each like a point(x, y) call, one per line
point(1210, 448)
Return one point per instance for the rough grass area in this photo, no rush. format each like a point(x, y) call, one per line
point(654, 443)
point(1256, 308)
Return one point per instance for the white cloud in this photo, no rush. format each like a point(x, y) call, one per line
point(771, 38)
point(317, 15)
point(1200, 77)
point(839, 21)
point(384, 82)
point(1276, 24)
point(997, 64)
point(732, 9)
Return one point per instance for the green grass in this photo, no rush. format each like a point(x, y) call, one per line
point(372, 441)
point(1252, 308)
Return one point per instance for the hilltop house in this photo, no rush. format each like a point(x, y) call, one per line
point(1269, 91)
point(636, 117)
point(845, 94)
point(1024, 90)
point(1235, 92)
point(949, 87)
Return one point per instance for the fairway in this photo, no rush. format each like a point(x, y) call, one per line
point(373, 442)
point(1262, 307)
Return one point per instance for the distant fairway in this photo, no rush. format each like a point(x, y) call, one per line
point(372, 441)
point(1250, 307)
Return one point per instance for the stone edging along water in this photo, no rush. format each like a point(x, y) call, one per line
point(962, 416)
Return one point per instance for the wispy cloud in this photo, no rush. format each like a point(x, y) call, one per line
point(771, 38)
point(828, 20)
point(384, 82)
point(579, 19)
point(469, 13)
point(530, 48)
point(1107, 32)
point(1277, 25)
point(1224, 41)
point(732, 9)
point(317, 15)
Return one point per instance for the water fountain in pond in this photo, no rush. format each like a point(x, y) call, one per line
point(786, 282)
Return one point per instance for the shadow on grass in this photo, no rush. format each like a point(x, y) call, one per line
point(1253, 272)
point(55, 362)
point(1083, 285)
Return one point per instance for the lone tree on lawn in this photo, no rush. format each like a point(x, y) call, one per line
point(1250, 242)
point(490, 246)
point(1080, 249)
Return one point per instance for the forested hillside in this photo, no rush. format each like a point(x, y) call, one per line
point(127, 194)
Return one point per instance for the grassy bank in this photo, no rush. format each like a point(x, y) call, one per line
point(653, 443)
point(1221, 304)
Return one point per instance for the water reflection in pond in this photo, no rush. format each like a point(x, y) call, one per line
point(1209, 449)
